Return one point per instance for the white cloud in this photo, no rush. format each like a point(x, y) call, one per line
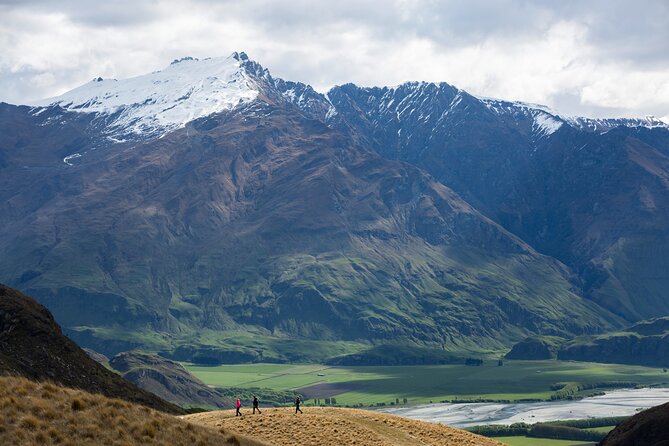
point(581, 58)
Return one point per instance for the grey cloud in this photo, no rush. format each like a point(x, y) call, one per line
point(635, 31)
point(325, 42)
point(571, 100)
point(630, 31)
point(117, 13)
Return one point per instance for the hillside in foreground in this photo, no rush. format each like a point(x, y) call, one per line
point(32, 345)
point(46, 414)
point(647, 428)
point(336, 427)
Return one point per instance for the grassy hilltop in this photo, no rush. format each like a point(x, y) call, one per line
point(336, 427)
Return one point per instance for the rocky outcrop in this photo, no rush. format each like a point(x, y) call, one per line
point(621, 348)
point(645, 343)
point(534, 348)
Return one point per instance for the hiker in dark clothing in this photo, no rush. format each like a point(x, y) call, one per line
point(297, 405)
point(238, 406)
point(255, 404)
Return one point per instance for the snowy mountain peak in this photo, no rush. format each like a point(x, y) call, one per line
point(164, 100)
point(187, 58)
point(241, 56)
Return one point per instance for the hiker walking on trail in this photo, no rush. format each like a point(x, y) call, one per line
point(255, 404)
point(238, 406)
point(298, 401)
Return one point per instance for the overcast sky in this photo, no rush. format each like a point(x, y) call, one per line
point(593, 58)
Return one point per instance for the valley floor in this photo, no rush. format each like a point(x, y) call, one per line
point(389, 386)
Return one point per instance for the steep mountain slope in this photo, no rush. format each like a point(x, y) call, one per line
point(264, 221)
point(591, 193)
point(32, 345)
point(647, 428)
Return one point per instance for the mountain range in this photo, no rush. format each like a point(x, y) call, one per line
point(216, 213)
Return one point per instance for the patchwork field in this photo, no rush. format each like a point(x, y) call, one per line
point(369, 386)
point(527, 441)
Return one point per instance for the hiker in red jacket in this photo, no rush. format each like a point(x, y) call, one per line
point(238, 406)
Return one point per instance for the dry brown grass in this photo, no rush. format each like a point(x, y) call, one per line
point(45, 414)
point(337, 427)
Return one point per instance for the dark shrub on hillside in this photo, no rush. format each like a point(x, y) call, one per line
point(473, 361)
point(563, 433)
point(494, 430)
point(593, 422)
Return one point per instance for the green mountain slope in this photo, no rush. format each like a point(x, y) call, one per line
point(248, 233)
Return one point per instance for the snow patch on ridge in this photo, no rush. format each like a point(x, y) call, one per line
point(545, 121)
point(605, 124)
point(545, 124)
point(164, 100)
point(67, 159)
point(544, 114)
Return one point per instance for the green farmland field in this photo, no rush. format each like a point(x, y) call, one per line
point(515, 380)
point(601, 430)
point(527, 441)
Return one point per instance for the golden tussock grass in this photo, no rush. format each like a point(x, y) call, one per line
point(45, 414)
point(337, 427)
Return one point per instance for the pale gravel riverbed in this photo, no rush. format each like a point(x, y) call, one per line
point(615, 403)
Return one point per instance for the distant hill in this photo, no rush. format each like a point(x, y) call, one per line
point(647, 428)
point(397, 355)
point(167, 379)
point(336, 427)
point(536, 347)
point(98, 357)
point(645, 343)
point(46, 414)
point(33, 346)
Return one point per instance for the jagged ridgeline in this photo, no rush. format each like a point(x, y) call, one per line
point(216, 213)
